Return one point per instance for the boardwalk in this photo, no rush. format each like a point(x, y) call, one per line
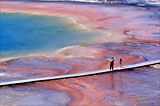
point(80, 74)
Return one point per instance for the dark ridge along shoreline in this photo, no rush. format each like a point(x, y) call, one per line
point(109, 3)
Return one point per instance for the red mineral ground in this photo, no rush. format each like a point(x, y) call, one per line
point(130, 33)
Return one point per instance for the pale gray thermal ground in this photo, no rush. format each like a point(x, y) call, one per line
point(32, 95)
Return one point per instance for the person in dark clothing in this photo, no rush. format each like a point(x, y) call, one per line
point(120, 62)
point(112, 64)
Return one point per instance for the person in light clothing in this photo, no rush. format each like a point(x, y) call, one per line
point(120, 62)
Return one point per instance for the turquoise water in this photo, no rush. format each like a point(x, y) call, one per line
point(22, 34)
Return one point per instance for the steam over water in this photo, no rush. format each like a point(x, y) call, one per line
point(23, 34)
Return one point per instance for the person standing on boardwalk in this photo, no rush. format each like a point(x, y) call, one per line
point(112, 64)
point(120, 62)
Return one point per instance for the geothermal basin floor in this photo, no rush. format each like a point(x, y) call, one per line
point(137, 65)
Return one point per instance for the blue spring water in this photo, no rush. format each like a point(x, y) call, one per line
point(22, 34)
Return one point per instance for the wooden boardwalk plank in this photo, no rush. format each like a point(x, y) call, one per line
point(80, 74)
